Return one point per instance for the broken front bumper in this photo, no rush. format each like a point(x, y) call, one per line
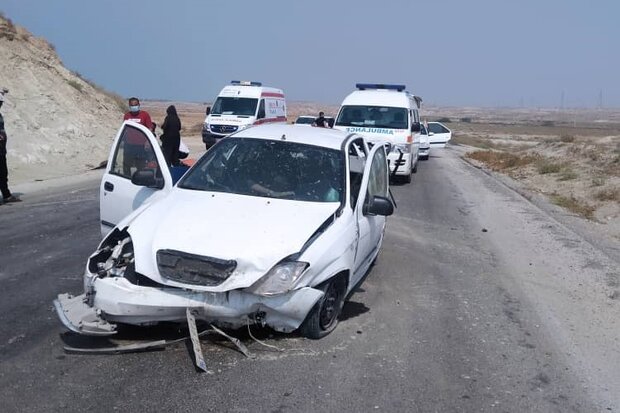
point(116, 300)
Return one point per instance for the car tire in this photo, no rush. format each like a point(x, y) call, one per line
point(415, 168)
point(323, 318)
point(424, 157)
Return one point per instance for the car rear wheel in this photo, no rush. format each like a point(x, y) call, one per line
point(323, 318)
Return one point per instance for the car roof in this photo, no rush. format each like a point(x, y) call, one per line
point(325, 137)
point(306, 116)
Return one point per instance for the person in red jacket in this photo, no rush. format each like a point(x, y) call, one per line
point(136, 142)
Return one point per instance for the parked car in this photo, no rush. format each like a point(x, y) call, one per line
point(425, 144)
point(274, 225)
point(438, 134)
point(305, 120)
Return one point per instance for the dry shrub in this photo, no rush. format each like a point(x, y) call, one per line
point(574, 205)
point(567, 138)
point(498, 161)
point(548, 167)
point(483, 142)
point(469, 140)
point(567, 175)
point(593, 155)
point(610, 194)
point(120, 101)
point(76, 85)
point(598, 181)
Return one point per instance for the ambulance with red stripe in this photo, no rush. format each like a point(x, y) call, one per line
point(385, 113)
point(240, 105)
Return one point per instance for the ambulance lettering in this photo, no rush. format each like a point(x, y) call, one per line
point(371, 130)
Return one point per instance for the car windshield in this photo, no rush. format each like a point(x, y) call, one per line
point(268, 168)
point(373, 117)
point(304, 120)
point(234, 106)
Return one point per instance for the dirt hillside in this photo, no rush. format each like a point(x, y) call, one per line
point(57, 122)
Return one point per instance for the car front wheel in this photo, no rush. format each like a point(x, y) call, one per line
point(323, 318)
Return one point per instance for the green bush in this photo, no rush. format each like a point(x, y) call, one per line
point(548, 167)
point(76, 85)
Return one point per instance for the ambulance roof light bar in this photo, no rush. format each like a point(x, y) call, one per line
point(245, 83)
point(364, 86)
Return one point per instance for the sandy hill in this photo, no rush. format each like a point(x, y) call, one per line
point(57, 122)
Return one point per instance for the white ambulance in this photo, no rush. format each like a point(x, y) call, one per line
point(385, 113)
point(242, 104)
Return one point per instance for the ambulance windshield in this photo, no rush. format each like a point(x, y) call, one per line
point(234, 106)
point(373, 117)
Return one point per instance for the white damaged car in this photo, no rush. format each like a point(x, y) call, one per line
point(274, 225)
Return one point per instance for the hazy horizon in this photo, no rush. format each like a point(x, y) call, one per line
point(556, 54)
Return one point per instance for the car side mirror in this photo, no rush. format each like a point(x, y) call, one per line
point(146, 177)
point(208, 111)
point(261, 114)
point(415, 127)
point(378, 205)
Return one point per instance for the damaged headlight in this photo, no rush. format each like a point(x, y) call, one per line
point(114, 255)
point(280, 279)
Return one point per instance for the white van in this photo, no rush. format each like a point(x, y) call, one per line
point(242, 104)
point(385, 113)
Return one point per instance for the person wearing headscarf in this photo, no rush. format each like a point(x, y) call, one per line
point(4, 172)
point(171, 138)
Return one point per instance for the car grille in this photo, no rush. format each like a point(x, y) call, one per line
point(224, 129)
point(194, 269)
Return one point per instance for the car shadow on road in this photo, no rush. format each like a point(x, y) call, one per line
point(352, 309)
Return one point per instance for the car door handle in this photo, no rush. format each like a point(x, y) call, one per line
point(108, 186)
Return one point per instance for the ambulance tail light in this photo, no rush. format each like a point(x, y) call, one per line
point(409, 139)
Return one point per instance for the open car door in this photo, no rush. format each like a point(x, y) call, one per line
point(438, 134)
point(370, 215)
point(136, 173)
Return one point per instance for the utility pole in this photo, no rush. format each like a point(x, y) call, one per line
point(600, 99)
point(562, 100)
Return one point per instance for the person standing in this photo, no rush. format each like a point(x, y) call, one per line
point(137, 115)
point(134, 149)
point(4, 170)
point(171, 138)
point(321, 122)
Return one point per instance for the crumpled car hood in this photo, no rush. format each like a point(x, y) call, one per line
point(256, 232)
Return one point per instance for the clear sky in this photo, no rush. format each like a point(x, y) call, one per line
point(451, 52)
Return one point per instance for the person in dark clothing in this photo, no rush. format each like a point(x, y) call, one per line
point(321, 122)
point(4, 171)
point(171, 138)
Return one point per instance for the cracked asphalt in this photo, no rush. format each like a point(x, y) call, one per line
point(479, 301)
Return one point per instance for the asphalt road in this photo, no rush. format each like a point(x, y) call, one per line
point(479, 301)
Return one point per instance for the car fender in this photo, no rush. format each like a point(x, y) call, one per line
point(330, 253)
